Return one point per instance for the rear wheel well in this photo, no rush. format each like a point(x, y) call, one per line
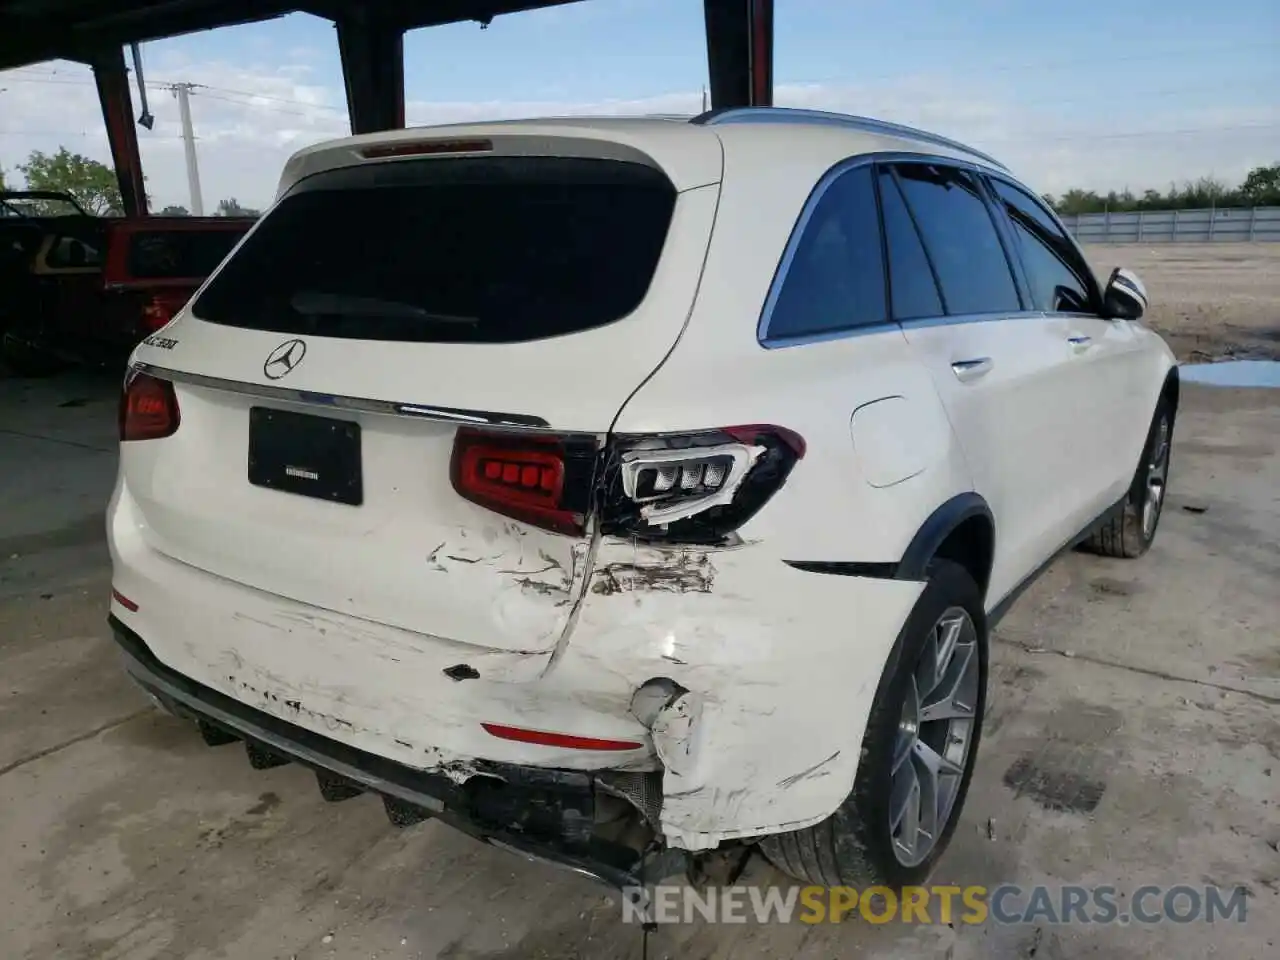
point(972, 545)
point(1169, 394)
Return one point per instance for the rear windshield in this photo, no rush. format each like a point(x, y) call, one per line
point(179, 254)
point(466, 250)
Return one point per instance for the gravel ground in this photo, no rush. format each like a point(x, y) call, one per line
point(1210, 301)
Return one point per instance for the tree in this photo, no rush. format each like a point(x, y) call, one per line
point(175, 210)
point(93, 184)
point(1262, 186)
point(230, 207)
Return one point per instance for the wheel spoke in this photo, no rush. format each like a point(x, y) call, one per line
point(926, 673)
point(905, 812)
point(933, 762)
point(930, 791)
point(908, 724)
point(948, 702)
point(948, 635)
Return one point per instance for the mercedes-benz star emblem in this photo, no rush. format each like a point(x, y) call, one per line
point(283, 359)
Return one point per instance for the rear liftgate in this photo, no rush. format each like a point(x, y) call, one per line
point(662, 489)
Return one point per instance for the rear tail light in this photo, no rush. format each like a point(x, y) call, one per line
point(148, 408)
point(687, 488)
point(541, 479)
point(694, 488)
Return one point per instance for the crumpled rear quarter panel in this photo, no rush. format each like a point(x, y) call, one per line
point(781, 666)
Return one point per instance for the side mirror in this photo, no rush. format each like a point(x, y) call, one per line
point(1125, 298)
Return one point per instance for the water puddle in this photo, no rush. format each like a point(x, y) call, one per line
point(1233, 373)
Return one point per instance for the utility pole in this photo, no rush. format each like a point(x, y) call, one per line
point(183, 92)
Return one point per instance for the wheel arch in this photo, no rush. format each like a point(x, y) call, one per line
point(962, 530)
point(1171, 390)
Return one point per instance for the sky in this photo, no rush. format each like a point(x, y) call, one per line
point(1098, 94)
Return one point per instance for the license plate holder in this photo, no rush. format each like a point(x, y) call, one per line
point(311, 456)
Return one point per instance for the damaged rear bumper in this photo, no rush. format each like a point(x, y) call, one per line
point(540, 813)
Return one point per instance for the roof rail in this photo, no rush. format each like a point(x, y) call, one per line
point(866, 124)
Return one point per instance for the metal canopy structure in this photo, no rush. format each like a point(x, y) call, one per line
point(370, 36)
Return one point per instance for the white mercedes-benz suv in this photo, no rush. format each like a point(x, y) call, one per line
point(620, 490)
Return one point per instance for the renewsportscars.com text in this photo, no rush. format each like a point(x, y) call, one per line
point(1005, 904)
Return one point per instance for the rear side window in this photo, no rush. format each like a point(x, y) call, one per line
point(960, 236)
point(835, 280)
point(912, 287)
point(466, 250)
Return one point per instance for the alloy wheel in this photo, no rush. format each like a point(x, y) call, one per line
point(934, 737)
point(1157, 476)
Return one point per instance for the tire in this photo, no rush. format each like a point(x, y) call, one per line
point(1128, 534)
point(859, 845)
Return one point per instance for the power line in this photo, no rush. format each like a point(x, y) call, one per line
point(244, 103)
point(263, 96)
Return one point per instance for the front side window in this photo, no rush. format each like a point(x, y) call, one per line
point(1057, 275)
point(835, 280)
point(955, 224)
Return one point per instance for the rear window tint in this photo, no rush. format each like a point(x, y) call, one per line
point(179, 254)
point(911, 281)
point(836, 277)
point(948, 206)
point(474, 250)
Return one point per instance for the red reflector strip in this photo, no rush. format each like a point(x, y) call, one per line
point(426, 148)
point(124, 601)
point(541, 737)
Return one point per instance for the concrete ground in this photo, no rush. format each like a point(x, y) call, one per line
point(1133, 738)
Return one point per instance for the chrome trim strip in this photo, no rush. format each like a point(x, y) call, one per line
point(917, 323)
point(880, 326)
point(866, 124)
point(360, 404)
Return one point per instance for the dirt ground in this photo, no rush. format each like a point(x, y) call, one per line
point(1133, 737)
point(1210, 301)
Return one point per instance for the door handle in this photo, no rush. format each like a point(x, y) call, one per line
point(1080, 343)
point(966, 370)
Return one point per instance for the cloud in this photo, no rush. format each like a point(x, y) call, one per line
point(250, 117)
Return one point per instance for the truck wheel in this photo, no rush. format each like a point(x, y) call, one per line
point(918, 751)
point(1129, 533)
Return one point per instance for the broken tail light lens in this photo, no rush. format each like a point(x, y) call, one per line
point(544, 480)
point(148, 408)
point(697, 487)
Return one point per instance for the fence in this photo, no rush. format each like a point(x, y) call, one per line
point(1224, 224)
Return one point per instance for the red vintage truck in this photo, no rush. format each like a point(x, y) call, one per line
point(76, 289)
